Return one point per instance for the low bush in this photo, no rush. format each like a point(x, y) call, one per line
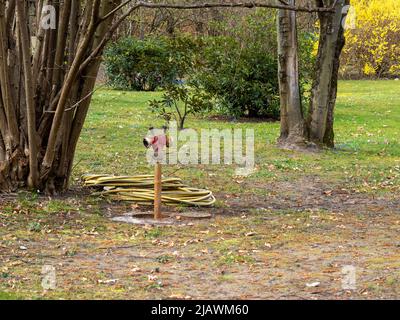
point(141, 65)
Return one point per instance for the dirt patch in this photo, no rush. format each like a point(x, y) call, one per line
point(270, 246)
point(311, 193)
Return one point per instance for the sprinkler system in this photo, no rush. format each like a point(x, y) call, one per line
point(152, 190)
point(158, 140)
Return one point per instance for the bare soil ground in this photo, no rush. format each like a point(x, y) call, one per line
point(290, 242)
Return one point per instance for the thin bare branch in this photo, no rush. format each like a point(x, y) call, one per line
point(31, 114)
point(76, 104)
point(284, 2)
point(248, 4)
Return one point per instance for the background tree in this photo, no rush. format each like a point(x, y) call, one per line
point(292, 120)
point(317, 126)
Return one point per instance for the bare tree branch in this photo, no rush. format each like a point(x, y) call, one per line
point(252, 4)
point(31, 116)
point(284, 2)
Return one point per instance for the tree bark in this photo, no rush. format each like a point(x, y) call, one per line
point(33, 178)
point(292, 121)
point(324, 90)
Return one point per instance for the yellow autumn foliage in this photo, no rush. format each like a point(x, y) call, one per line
point(373, 41)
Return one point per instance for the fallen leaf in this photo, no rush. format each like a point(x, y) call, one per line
point(313, 284)
point(136, 269)
point(111, 281)
point(151, 277)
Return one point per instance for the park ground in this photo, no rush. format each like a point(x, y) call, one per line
point(285, 232)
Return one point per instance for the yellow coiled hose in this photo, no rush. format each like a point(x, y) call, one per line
point(140, 189)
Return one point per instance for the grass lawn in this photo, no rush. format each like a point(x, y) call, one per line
point(367, 138)
point(298, 219)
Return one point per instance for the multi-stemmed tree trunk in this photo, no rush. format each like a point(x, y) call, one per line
point(48, 71)
point(46, 78)
point(298, 131)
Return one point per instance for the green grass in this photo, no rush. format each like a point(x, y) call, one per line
point(8, 296)
point(367, 139)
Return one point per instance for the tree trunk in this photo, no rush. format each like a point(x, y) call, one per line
point(292, 121)
point(324, 90)
point(318, 129)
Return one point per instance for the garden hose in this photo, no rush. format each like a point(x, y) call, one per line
point(140, 189)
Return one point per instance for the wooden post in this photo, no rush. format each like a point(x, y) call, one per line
point(157, 191)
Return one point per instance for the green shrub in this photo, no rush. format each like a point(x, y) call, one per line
point(236, 71)
point(239, 69)
point(243, 80)
point(141, 65)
